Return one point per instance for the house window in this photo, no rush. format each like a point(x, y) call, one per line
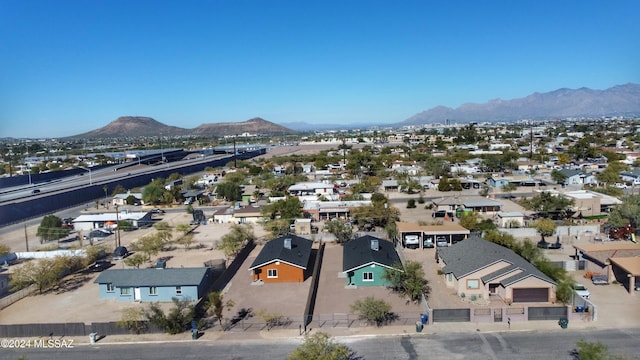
point(178, 290)
point(272, 273)
point(125, 291)
point(367, 276)
point(110, 287)
point(473, 284)
point(153, 290)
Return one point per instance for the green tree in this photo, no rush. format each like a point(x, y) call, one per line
point(176, 321)
point(119, 189)
point(289, 209)
point(216, 305)
point(235, 240)
point(411, 204)
point(470, 220)
point(443, 184)
point(409, 281)
point(626, 213)
point(131, 200)
point(342, 230)
point(229, 191)
point(586, 350)
point(4, 249)
point(373, 310)
point(545, 227)
point(43, 273)
point(51, 228)
point(546, 204)
point(611, 174)
point(135, 260)
point(320, 346)
point(153, 193)
point(558, 176)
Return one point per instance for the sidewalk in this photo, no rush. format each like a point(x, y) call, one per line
point(353, 333)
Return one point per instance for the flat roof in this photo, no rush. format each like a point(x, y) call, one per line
point(629, 264)
point(434, 229)
point(608, 246)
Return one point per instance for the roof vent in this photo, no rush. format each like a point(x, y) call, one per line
point(375, 246)
point(287, 243)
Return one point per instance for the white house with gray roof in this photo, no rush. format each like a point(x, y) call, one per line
point(479, 268)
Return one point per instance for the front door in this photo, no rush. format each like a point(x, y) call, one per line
point(136, 294)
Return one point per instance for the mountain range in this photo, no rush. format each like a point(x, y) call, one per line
point(138, 126)
point(561, 103)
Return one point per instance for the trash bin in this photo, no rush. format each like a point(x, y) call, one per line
point(564, 322)
point(194, 330)
point(419, 326)
point(424, 318)
point(580, 309)
point(92, 337)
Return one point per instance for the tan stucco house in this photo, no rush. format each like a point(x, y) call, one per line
point(479, 268)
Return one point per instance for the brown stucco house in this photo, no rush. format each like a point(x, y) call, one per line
point(284, 259)
point(479, 268)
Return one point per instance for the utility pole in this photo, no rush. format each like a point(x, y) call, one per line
point(235, 154)
point(26, 238)
point(117, 227)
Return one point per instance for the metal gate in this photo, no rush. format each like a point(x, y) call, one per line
point(547, 313)
point(497, 315)
point(451, 315)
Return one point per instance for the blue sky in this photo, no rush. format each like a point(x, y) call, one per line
point(68, 67)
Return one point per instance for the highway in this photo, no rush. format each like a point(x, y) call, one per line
point(104, 175)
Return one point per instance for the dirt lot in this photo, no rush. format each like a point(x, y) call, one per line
point(77, 299)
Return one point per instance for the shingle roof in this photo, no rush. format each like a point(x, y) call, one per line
point(152, 277)
point(274, 250)
point(473, 254)
point(358, 252)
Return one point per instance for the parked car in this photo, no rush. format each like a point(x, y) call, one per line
point(581, 290)
point(620, 185)
point(428, 243)
point(441, 241)
point(157, 211)
point(599, 280)
point(412, 241)
point(100, 265)
point(120, 252)
point(100, 233)
point(443, 213)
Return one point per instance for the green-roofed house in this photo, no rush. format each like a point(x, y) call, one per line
point(365, 258)
point(161, 285)
point(480, 268)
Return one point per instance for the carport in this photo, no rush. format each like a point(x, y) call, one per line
point(630, 267)
point(452, 233)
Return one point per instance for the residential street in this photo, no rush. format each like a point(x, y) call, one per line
point(556, 344)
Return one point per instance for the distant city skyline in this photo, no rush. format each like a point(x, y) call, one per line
point(72, 66)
